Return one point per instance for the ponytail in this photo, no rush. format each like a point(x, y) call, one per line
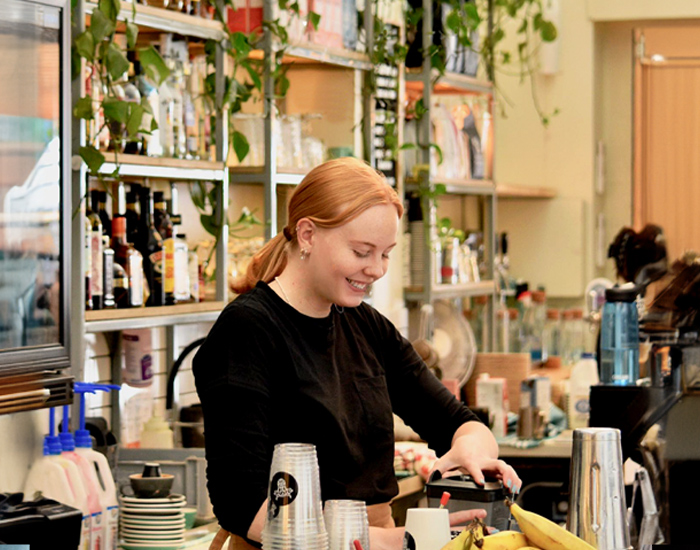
point(267, 264)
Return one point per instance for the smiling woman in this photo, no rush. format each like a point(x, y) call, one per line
point(300, 358)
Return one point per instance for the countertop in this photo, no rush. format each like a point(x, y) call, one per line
point(557, 447)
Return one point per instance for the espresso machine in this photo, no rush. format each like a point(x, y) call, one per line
point(658, 415)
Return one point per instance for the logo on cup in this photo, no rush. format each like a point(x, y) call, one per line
point(283, 490)
point(409, 543)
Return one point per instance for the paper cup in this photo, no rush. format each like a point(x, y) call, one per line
point(426, 529)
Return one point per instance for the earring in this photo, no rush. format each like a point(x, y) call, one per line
point(304, 254)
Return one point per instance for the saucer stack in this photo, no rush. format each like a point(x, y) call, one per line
point(152, 523)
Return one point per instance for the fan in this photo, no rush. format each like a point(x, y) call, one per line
point(453, 341)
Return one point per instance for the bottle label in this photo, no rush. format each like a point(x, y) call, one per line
point(136, 280)
point(157, 263)
point(96, 281)
point(108, 277)
point(169, 274)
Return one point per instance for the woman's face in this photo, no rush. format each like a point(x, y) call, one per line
point(346, 260)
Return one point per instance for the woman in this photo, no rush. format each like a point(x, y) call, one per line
point(299, 357)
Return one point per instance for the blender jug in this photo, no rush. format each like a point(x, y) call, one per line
point(619, 337)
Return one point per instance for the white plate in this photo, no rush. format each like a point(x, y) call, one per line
point(152, 501)
point(154, 545)
point(155, 511)
point(150, 528)
point(153, 536)
point(151, 506)
point(153, 524)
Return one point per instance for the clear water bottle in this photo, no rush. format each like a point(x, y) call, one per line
point(619, 337)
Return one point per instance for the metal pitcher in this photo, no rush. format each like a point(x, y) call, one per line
point(597, 508)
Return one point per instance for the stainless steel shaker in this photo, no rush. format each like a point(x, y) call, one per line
point(597, 508)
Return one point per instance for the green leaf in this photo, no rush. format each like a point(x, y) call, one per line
point(117, 63)
point(240, 145)
point(209, 224)
point(523, 27)
point(253, 74)
point(537, 21)
point(498, 35)
point(75, 63)
point(453, 21)
point(408, 146)
point(548, 31)
point(132, 33)
point(314, 19)
point(294, 7)
point(83, 109)
point(116, 110)
point(85, 45)
point(472, 15)
point(133, 124)
point(440, 188)
point(92, 158)
point(110, 8)
point(153, 64)
point(197, 193)
point(101, 26)
point(282, 85)
point(438, 151)
point(241, 44)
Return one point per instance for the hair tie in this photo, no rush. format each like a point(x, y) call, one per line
point(287, 234)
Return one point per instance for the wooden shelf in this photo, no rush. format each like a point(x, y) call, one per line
point(256, 175)
point(504, 191)
point(459, 186)
point(308, 53)
point(167, 20)
point(107, 320)
point(449, 83)
point(482, 288)
point(166, 168)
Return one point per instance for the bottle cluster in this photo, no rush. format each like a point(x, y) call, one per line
point(177, 107)
point(138, 258)
point(198, 8)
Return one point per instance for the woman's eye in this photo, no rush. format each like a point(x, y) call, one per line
point(361, 254)
point(385, 256)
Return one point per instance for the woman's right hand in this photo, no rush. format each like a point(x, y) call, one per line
point(381, 538)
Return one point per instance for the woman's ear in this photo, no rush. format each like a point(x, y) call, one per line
point(306, 231)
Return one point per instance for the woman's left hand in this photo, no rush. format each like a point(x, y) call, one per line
point(468, 456)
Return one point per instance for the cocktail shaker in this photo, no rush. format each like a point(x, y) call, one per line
point(597, 508)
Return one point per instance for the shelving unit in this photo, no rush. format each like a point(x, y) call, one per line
point(149, 19)
point(504, 191)
point(427, 82)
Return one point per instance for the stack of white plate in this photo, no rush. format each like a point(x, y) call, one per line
point(152, 523)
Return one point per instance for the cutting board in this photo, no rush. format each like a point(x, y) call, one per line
point(514, 367)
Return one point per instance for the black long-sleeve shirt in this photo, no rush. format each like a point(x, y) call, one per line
point(268, 374)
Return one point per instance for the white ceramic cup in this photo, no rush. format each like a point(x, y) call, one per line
point(426, 529)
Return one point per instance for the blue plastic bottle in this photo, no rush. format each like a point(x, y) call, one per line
point(619, 337)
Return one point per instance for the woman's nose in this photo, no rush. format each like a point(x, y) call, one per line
point(376, 269)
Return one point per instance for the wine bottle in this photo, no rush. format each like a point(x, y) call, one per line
point(150, 244)
point(95, 250)
point(130, 259)
point(104, 215)
point(107, 273)
point(164, 226)
point(132, 215)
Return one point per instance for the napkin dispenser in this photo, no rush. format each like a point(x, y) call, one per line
point(467, 495)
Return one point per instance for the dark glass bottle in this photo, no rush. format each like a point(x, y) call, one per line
point(96, 280)
point(107, 272)
point(164, 226)
point(104, 215)
point(130, 259)
point(150, 244)
point(121, 287)
point(132, 216)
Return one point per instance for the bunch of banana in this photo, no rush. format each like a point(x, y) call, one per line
point(538, 533)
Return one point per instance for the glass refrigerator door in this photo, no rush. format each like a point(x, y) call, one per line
point(34, 199)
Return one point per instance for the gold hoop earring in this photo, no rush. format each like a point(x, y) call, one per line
point(304, 254)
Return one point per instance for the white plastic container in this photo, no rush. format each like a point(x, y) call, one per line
point(156, 434)
point(89, 478)
point(584, 374)
point(107, 492)
point(138, 358)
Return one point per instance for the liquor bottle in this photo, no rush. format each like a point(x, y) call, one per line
point(182, 275)
point(164, 226)
point(190, 112)
point(95, 250)
point(132, 215)
point(107, 273)
point(150, 245)
point(104, 215)
point(130, 259)
point(177, 85)
point(87, 260)
point(166, 114)
point(121, 287)
point(132, 94)
point(152, 144)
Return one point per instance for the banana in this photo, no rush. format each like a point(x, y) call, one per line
point(460, 542)
point(546, 534)
point(529, 548)
point(504, 540)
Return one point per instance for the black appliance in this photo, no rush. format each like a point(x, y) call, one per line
point(42, 523)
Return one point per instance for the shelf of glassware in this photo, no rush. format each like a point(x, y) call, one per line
point(448, 83)
point(166, 20)
point(255, 175)
point(165, 168)
point(307, 52)
point(456, 186)
point(416, 293)
point(107, 320)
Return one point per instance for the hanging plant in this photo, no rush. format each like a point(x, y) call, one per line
point(97, 48)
